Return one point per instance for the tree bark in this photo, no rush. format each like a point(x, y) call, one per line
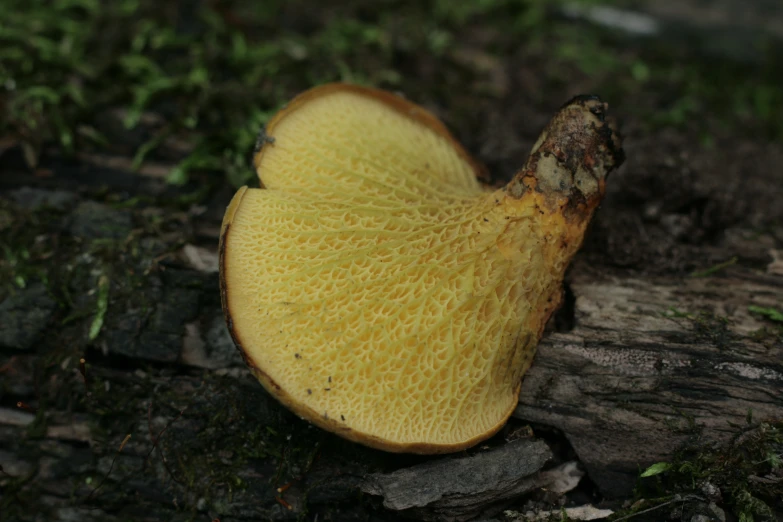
point(652, 362)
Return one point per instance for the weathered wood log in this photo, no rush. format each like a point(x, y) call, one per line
point(458, 489)
point(653, 361)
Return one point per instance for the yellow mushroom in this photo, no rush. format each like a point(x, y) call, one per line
point(378, 290)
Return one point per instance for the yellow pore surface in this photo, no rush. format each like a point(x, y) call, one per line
point(374, 281)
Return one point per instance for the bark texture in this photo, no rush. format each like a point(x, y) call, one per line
point(653, 362)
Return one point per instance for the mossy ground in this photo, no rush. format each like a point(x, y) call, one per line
point(189, 85)
point(213, 72)
point(743, 476)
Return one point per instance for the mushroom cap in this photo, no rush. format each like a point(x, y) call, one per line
point(375, 287)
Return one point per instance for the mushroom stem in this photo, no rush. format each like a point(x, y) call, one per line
point(570, 161)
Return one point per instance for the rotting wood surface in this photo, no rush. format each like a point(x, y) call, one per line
point(652, 363)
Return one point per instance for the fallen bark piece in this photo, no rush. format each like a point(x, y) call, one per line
point(652, 363)
point(24, 316)
point(776, 266)
point(15, 417)
point(586, 512)
point(457, 489)
point(563, 478)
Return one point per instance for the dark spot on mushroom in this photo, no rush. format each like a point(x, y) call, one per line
point(327, 389)
point(297, 356)
point(262, 139)
point(309, 391)
point(597, 110)
point(330, 378)
point(342, 417)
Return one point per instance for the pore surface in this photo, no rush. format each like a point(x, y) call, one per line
point(377, 283)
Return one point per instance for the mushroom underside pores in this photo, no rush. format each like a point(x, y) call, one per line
point(377, 289)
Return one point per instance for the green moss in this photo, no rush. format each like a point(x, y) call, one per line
point(26, 250)
point(740, 475)
point(773, 314)
point(714, 269)
point(216, 72)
